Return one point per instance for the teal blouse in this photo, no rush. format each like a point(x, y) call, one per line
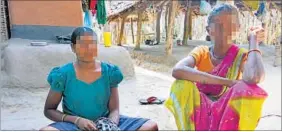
point(81, 99)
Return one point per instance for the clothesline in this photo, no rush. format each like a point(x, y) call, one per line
point(95, 8)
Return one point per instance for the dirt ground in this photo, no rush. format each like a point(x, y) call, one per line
point(22, 109)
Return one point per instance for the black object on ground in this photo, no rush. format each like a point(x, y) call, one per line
point(64, 39)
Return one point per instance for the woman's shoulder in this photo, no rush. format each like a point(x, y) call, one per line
point(202, 48)
point(60, 71)
point(200, 51)
point(110, 69)
point(108, 66)
point(113, 72)
point(63, 69)
point(58, 76)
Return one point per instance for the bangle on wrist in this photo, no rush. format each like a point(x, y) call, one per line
point(256, 50)
point(76, 120)
point(63, 117)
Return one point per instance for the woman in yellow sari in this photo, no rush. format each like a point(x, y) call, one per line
point(216, 87)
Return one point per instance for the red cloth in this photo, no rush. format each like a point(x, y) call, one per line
point(93, 4)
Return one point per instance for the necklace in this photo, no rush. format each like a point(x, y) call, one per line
point(214, 56)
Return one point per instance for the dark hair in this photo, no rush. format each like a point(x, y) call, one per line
point(80, 31)
point(220, 8)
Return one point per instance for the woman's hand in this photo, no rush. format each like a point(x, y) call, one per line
point(232, 83)
point(253, 71)
point(256, 34)
point(114, 106)
point(85, 124)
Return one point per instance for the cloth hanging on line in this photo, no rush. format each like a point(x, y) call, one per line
point(93, 6)
point(253, 4)
point(205, 8)
point(88, 19)
point(101, 12)
point(261, 10)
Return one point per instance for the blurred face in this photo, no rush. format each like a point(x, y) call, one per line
point(85, 48)
point(224, 26)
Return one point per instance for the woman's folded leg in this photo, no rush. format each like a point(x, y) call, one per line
point(133, 124)
point(242, 105)
point(188, 106)
point(60, 126)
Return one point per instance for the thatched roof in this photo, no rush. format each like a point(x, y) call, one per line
point(118, 6)
point(125, 8)
point(132, 9)
point(239, 4)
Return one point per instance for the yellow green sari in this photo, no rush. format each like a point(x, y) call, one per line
point(235, 108)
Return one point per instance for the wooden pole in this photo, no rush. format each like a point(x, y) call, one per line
point(278, 45)
point(139, 28)
point(190, 25)
point(166, 16)
point(265, 25)
point(158, 26)
point(169, 40)
point(115, 33)
point(132, 30)
point(118, 29)
point(186, 22)
point(277, 59)
point(121, 30)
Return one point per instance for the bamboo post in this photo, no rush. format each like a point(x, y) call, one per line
point(190, 25)
point(139, 28)
point(158, 26)
point(118, 29)
point(169, 40)
point(114, 33)
point(265, 26)
point(122, 30)
point(277, 58)
point(278, 45)
point(186, 22)
point(166, 17)
point(269, 33)
point(132, 30)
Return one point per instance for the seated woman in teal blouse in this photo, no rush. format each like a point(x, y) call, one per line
point(88, 89)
